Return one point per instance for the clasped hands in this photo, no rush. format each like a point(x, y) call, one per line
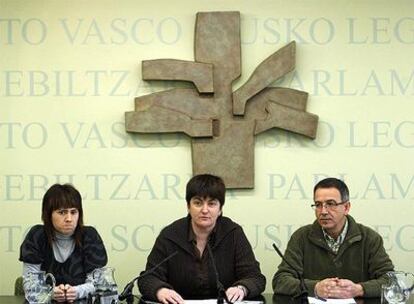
point(64, 293)
point(170, 296)
point(338, 288)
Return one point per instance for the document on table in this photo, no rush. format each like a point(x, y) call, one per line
point(214, 301)
point(210, 301)
point(313, 300)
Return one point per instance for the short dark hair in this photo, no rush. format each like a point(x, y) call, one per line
point(332, 182)
point(61, 196)
point(206, 185)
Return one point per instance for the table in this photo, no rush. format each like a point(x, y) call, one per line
point(267, 298)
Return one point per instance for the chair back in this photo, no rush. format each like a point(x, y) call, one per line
point(18, 287)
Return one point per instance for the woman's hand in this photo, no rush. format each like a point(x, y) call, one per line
point(235, 293)
point(70, 293)
point(59, 293)
point(64, 293)
point(166, 296)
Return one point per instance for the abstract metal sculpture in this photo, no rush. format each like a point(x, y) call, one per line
point(222, 123)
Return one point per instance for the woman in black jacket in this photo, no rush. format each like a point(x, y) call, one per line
point(63, 246)
point(196, 243)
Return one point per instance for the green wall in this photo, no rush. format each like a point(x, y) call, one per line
point(70, 69)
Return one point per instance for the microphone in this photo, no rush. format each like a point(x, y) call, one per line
point(303, 290)
point(221, 292)
point(127, 292)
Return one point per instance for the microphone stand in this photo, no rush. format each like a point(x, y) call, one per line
point(303, 296)
point(221, 292)
point(126, 294)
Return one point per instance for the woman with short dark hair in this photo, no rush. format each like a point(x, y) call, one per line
point(63, 246)
point(192, 244)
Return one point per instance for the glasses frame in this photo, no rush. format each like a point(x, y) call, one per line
point(329, 205)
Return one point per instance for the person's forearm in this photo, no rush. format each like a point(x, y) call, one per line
point(83, 290)
point(285, 283)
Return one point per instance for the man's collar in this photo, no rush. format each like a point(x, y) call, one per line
point(334, 244)
point(341, 236)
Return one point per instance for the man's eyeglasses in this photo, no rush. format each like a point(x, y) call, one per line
point(329, 204)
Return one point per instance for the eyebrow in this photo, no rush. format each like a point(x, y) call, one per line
point(204, 198)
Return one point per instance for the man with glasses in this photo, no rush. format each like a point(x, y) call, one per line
point(336, 256)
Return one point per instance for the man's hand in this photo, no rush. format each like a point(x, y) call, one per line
point(348, 289)
point(338, 288)
point(324, 288)
point(166, 296)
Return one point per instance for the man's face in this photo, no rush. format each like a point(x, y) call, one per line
point(330, 217)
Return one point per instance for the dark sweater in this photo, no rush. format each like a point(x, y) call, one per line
point(361, 259)
point(232, 252)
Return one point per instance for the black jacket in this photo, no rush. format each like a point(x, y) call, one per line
point(232, 252)
point(35, 249)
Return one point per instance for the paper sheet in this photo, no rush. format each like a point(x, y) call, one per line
point(214, 301)
point(313, 300)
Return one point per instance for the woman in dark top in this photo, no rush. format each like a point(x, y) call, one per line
point(189, 273)
point(63, 246)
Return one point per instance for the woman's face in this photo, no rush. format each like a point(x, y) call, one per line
point(204, 212)
point(65, 221)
